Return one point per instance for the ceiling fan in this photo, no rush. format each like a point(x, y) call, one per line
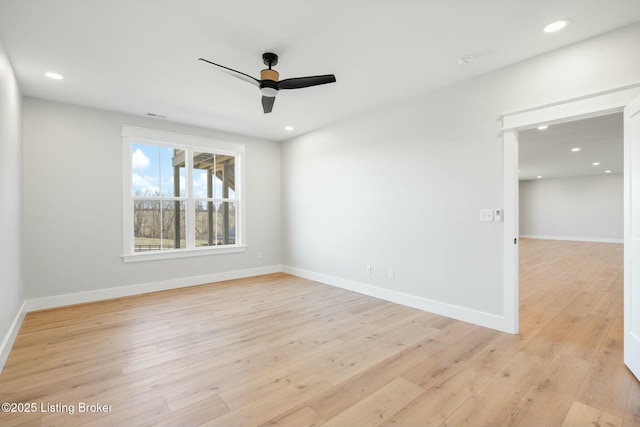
point(270, 85)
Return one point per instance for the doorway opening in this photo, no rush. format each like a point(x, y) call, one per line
point(595, 105)
point(571, 227)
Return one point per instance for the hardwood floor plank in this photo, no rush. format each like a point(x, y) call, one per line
point(264, 409)
point(451, 359)
point(632, 411)
point(608, 383)
point(438, 402)
point(496, 399)
point(376, 408)
point(248, 368)
point(303, 417)
point(340, 362)
point(583, 304)
point(362, 385)
point(610, 305)
point(358, 355)
point(26, 389)
point(587, 337)
point(581, 415)
point(193, 415)
point(496, 353)
point(551, 397)
point(548, 342)
point(451, 331)
point(31, 423)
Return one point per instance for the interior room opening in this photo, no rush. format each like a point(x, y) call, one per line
point(571, 220)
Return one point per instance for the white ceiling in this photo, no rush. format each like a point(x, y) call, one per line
point(547, 153)
point(140, 56)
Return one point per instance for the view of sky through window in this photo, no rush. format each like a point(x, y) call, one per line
point(153, 173)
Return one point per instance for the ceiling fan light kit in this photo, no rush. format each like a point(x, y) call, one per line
point(270, 83)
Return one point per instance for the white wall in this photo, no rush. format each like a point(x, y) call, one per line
point(401, 187)
point(73, 203)
point(10, 202)
point(580, 208)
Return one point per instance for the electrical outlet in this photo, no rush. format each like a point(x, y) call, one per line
point(368, 269)
point(391, 273)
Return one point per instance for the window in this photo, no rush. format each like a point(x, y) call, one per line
point(182, 195)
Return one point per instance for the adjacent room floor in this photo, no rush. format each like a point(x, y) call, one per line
point(280, 350)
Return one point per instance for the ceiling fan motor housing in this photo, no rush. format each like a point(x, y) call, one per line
point(272, 75)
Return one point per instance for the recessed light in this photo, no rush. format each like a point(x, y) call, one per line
point(543, 127)
point(575, 150)
point(556, 26)
point(54, 76)
point(539, 176)
point(288, 128)
point(596, 163)
point(607, 171)
point(464, 60)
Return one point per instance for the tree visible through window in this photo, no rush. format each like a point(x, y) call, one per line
point(215, 209)
point(158, 197)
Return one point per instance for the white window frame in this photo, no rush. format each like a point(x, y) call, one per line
point(137, 135)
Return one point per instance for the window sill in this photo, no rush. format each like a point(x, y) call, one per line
point(182, 253)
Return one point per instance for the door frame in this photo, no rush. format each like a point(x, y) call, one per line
point(592, 105)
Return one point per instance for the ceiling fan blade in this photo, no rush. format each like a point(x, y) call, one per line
point(300, 82)
point(234, 73)
point(267, 103)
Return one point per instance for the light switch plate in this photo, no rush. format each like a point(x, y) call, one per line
point(486, 215)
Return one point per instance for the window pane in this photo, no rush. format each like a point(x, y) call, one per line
point(158, 225)
point(213, 176)
point(215, 223)
point(157, 171)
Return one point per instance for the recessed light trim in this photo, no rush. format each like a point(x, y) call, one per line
point(465, 59)
point(607, 171)
point(575, 150)
point(539, 176)
point(288, 128)
point(556, 26)
point(54, 76)
point(596, 163)
point(543, 127)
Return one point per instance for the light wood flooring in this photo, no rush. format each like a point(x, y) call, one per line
point(278, 350)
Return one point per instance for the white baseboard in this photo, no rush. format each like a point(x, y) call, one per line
point(572, 238)
point(448, 310)
point(7, 342)
point(143, 288)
